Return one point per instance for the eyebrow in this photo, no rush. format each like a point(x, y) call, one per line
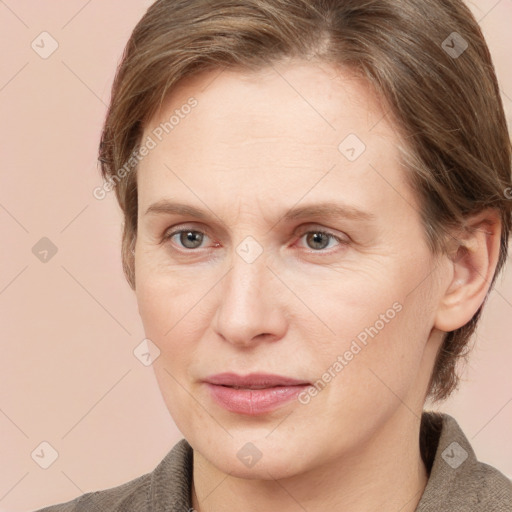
point(318, 210)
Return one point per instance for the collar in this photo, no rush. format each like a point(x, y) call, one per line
point(457, 480)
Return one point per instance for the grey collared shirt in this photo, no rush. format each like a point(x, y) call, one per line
point(457, 482)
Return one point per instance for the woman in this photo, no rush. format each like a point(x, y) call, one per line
point(316, 208)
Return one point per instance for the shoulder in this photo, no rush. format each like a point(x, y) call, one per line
point(494, 487)
point(167, 485)
point(458, 480)
point(132, 495)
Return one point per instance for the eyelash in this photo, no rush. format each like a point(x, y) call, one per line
point(168, 237)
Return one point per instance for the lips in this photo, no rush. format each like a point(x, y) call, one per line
point(253, 380)
point(253, 394)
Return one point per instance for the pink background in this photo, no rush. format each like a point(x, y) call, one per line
point(70, 325)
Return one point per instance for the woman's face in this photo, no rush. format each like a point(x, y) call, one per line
point(297, 251)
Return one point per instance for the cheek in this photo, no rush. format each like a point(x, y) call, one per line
point(167, 313)
point(165, 297)
point(161, 308)
point(379, 326)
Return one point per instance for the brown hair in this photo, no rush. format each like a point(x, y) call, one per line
point(444, 99)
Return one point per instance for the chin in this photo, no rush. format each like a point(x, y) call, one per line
point(261, 459)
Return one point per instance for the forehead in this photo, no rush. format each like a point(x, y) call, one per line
point(273, 133)
point(320, 93)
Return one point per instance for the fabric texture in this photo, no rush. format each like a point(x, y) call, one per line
point(457, 481)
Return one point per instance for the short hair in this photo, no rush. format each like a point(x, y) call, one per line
point(426, 59)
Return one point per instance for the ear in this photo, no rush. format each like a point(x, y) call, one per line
point(473, 258)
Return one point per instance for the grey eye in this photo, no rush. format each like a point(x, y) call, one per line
point(191, 239)
point(318, 239)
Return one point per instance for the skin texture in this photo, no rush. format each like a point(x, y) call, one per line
point(255, 146)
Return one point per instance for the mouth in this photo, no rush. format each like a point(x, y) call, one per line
point(253, 381)
point(253, 394)
point(252, 387)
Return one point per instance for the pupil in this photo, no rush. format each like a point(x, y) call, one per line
point(189, 238)
point(317, 239)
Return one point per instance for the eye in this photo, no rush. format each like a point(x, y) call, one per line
point(319, 239)
point(188, 238)
point(191, 239)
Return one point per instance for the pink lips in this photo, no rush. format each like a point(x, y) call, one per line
point(253, 394)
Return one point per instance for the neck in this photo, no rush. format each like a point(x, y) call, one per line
point(386, 474)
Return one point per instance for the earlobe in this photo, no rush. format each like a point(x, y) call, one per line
point(473, 262)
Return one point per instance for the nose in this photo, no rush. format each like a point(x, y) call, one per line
point(249, 311)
